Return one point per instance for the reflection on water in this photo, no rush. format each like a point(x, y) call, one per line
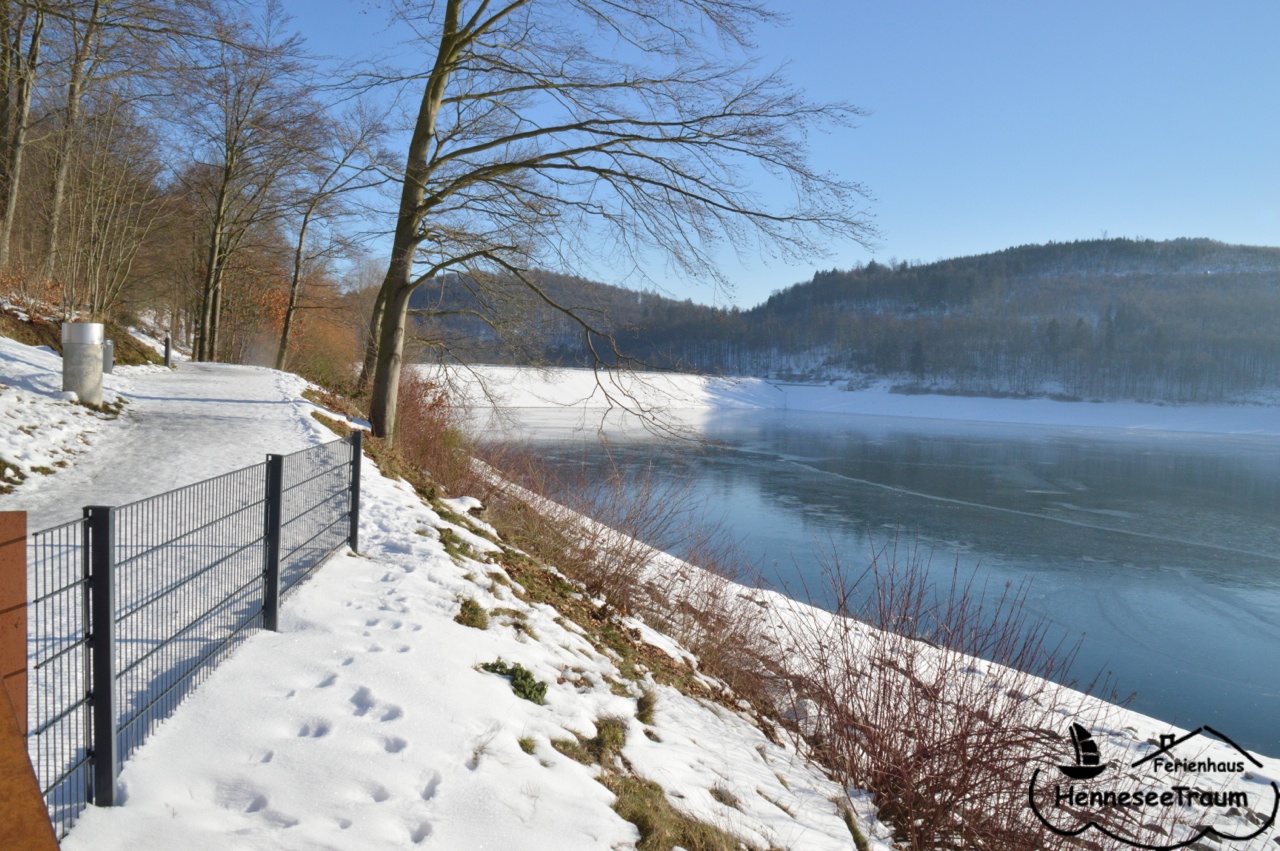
point(1162, 549)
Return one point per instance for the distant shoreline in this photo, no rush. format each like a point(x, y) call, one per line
point(681, 394)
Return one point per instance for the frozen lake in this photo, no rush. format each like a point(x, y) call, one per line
point(1161, 548)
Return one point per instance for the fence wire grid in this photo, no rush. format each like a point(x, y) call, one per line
point(133, 606)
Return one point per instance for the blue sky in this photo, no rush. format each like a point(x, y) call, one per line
point(995, 124)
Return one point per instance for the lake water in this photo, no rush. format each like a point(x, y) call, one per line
point(1161, 549)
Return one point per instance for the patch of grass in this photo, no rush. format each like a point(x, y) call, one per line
point(523, 683)
point(645, 705)
point(44, 471)
point(661, 826)
point(845, 809)
point(110, 410)
point(724, 796)
point(457, 548)
point(600, 749)
point(128, 350)
point(472, 614)
point(36, 332)
point(519, 620)
point(333, 401)
point(776, 803)
point(341, 429)
point(10, 476)
point(527, 744)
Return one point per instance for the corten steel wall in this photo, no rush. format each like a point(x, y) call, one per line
point(24, 820)
point(13, 610)
point(136, 604)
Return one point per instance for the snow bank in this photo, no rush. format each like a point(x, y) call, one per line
point(496, 387)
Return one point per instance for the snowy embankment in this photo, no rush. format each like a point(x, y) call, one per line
point(365, 722)
point(687, 398)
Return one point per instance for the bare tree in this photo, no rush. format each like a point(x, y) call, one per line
point(23, 31)
point(248, 104)
point(348, 160)
point(553, 132)
point(113, 205)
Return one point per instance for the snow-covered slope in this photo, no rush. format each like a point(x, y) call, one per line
point(365, 723)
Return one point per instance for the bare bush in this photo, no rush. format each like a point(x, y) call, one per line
point(895, 699)
point(612, 533)
point(940, 700)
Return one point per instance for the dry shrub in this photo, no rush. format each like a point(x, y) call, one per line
point(36, 296)
point(614, 538)
point(323, 349)
point(429, 437)
point(938, 701)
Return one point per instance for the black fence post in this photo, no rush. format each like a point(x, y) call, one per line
point(102, 626)
point(357, 453)
point(271, 537)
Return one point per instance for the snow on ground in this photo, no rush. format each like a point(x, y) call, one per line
point(176, 428)
point(365, 722)
point(686, 396)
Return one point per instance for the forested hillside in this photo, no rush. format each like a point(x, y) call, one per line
point(1184, 320)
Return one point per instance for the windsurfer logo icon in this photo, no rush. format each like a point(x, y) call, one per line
point(1087, 765)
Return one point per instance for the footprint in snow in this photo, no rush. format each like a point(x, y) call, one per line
point(394, 744)
point(363, 701)
point(314, 730)
point(421, 832)
point(433, 785)
point(327, 681)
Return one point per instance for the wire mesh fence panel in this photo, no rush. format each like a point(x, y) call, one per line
point(58, 728)
point(188, 582)
point(316, 510)
point(189, 574)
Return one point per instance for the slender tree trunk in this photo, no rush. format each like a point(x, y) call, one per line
point(371, 344)
point(16, 143)
point(295, 286)
point(62, 154)
point(217, 320)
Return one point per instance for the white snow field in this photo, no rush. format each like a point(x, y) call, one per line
point(365, 723)
point(686, 398)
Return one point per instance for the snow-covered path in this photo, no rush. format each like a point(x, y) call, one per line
point(178, 428)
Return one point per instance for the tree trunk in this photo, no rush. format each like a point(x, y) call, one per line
point(295, 285)
point(17, 140)
point(398, 286)
point(62, 154)
point(391, 337)
point(371, 344)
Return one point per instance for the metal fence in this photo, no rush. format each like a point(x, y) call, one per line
point(132, 606)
